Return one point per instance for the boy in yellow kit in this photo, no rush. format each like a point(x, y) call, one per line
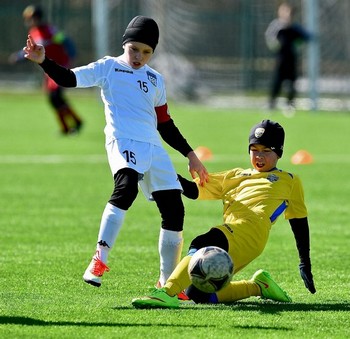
point(252, 201)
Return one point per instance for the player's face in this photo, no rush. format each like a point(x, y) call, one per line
point(137, 54)
point(263, 158)
point(29, 22)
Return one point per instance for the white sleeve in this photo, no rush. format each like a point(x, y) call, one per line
point(93, 74)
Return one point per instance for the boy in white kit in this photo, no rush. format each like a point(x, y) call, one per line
point(136, 115)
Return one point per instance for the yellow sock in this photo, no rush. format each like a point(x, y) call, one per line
point(179, 279)
point(237, 290)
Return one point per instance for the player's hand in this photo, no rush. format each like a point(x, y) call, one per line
point(196, 166)
point(306, 275)
point(33, 51)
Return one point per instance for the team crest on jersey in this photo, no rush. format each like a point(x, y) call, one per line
point(272, 177)
point(152, 78)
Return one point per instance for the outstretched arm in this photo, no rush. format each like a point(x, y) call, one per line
point(196, 166)
point(300, 228)
point(172, 136)
point(36, 53)
point(33, 51)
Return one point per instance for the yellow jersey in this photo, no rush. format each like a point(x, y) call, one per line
point(264, 194)
point(252, 202)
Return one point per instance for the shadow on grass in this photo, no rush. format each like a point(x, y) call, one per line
point(26, 321)
point(262, 307)
point(265, 306)
point(271, 307)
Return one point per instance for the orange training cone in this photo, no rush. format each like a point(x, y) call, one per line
point(302, 157)
point(203, 153)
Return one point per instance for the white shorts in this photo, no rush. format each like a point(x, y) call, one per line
point(156, 171)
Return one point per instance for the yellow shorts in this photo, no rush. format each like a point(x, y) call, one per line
point(246, 242)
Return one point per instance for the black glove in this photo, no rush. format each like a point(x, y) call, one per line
point(306, 275)
point(300, 228)
point(190, 189)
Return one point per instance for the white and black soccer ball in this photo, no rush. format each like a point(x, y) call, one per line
point(210, 269)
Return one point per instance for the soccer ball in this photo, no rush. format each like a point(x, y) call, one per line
point(210, 269)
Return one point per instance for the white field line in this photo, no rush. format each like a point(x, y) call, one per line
point(51, 159)
point(102, 158)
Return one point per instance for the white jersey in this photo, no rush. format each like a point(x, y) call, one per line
point(129, 96)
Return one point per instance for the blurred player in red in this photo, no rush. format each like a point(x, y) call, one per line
point(59, 48)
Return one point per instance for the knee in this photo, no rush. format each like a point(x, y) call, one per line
point(171, 209)
point(125, 188)
point(214, 237)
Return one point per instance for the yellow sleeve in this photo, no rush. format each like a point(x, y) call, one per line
point(296, 206)
point(213, 189)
